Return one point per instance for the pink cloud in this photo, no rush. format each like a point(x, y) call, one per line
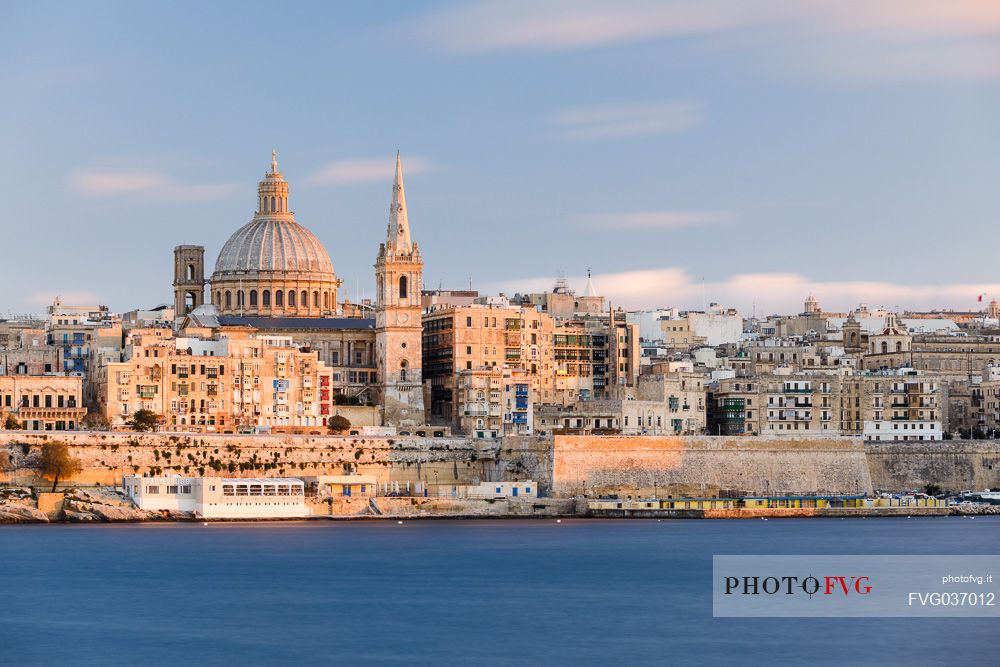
point(763, 292)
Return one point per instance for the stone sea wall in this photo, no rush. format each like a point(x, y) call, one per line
point(567, 466)
point(954, 465)
point(704, 466)
point(435, 462)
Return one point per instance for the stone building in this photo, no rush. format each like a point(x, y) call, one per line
point(240, 381)
point(900, 405)
point(14, 332)
point(27, 352)
point(466, 338)
point(274, 276)
point(42, 402)
point(593, 356)
point(71, 330)
point(659, 404)
point(562, 303)
point(492, 401)
point(398, 326)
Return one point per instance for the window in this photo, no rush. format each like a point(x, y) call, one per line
point(291, 298)
point(402, 287)
point(304, 299)
point(253, 297)
point(229, 299)
point(279, 298)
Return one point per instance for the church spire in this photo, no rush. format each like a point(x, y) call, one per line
point(589, 290)
point(398, 234)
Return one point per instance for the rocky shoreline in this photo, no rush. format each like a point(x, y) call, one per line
point(20, 505)
point(99, 505)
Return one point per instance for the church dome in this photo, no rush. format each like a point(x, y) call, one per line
point(273, 242)
point(273, 266)
point(273, 245)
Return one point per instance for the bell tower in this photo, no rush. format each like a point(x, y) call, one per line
point(189, 278)
point(398, 328)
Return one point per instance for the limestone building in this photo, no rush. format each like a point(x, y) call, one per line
point(42, 402)
point(274, 277)
point(237, 382)
point(398, 326)
point(900, 405)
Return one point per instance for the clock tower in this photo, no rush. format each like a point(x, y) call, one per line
point(398, 328)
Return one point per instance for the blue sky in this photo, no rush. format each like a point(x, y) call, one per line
point(741, 152)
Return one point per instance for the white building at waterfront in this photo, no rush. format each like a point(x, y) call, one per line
point(220, 497)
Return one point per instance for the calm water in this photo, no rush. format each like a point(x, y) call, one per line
point(447, 592)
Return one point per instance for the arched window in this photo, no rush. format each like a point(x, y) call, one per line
point(291, 298)
point(265, 298)
point(190, 272)
point(304, 299)
point(229, 299)
point(316, 299)
point(402, 370)
point(402, 287)
point(326, 301)
point(253, 297)
point(279, 297)
point(218, 298)
point(240, 299)
point(899, 346)
point(272, 204)
point(885, 347)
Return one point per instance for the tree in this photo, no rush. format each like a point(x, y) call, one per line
point(95, 421)
point(144, 420)
point(11, 423)
point(57, 462)
point(339, 424)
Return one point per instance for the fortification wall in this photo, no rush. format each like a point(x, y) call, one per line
point(105, 457)
point(954, 465)
point(572, 465)
point(694, 466)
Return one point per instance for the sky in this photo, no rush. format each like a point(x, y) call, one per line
point(741, 152)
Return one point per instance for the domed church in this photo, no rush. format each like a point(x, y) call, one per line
point(274, 276)
point(273, 265)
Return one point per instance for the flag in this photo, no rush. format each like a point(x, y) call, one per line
point(980, 298)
